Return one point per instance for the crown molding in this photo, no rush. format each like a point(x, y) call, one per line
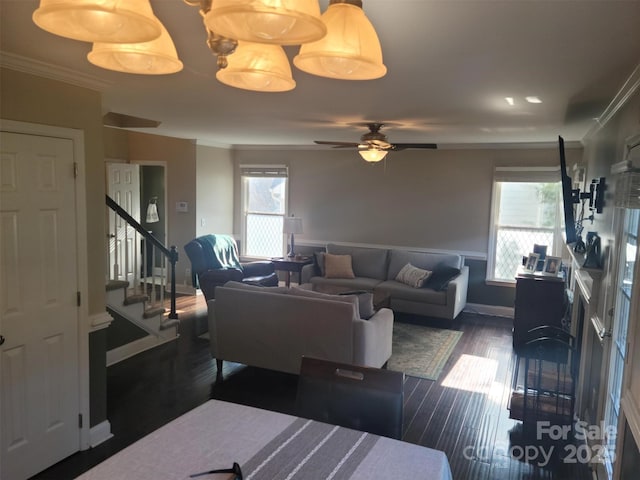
point(627, 90)
point(52, 72)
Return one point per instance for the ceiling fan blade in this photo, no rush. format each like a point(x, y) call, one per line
point(337, 144)
point(404, 146)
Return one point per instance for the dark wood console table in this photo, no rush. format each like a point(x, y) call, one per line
point(540, 300)
point(291, 265)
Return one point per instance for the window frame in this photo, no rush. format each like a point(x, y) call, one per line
point(514, 175)
point(259, 171)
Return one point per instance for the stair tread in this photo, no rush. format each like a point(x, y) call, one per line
point(153, 311)
point(137, 298)
point(115, 284)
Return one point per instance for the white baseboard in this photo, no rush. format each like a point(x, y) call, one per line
point(184, 289)
point(100, 433)
point(133, 348)
point(493, 310)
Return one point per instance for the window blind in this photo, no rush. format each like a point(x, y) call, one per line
point(264, 171)
point(526, 174)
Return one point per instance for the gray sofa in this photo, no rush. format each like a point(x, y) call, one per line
point(375, 270)
point(273, 327)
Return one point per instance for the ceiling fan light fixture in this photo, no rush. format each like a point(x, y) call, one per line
point(281, 22)
point(350, 50)
point(259, 67)
point(124, 21)
point(157, 57)
point(372, 155)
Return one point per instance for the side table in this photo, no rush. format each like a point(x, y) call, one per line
point(291, 265)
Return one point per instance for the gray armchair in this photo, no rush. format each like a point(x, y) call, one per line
point(215, 261)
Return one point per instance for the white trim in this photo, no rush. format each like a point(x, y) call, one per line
point(99, 321)
point(622, 97)
point(467, 254)
point(100, 433)
point(493, 310)
point(77, 137)
point(128, 350)
point(53, 72)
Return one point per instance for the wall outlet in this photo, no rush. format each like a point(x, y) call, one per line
point(202, 222)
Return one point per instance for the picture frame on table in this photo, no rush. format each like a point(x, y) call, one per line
point(532, 262)
point(552, 265)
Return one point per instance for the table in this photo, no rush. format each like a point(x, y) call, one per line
point(381, 299)
point(268, 446)
point(291, 265)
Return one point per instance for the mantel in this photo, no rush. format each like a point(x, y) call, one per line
point(587, 279)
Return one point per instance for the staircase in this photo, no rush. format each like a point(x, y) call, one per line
point(137, 275)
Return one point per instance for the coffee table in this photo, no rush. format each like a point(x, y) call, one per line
point(380, 299)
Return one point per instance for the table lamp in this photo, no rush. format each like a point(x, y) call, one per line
point(292, 225)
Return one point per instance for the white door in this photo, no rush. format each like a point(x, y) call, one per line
point(124, 187)
point(39, 316)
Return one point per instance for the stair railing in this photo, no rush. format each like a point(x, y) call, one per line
point(128, 257)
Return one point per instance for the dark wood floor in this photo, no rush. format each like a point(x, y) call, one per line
point(472, 428)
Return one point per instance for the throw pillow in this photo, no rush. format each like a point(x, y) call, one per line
point(441, 277)
point(365, 302)
point(338, 266)
point(413, 276)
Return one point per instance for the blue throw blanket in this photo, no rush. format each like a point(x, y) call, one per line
point(220, 251)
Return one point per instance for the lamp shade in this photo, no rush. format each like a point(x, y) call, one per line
point(99, 20)
point(350, 50)
point(259, 67)
point(373, 155)
point(292, 225)
point(156, 57)
point(283, 22)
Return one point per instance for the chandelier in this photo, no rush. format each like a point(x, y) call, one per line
point(246, 36)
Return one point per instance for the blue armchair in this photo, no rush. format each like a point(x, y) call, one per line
point(215, 261)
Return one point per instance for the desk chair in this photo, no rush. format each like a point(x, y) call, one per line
point(362, 398)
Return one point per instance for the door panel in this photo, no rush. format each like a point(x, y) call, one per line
point(39, 383)
point(124, 187)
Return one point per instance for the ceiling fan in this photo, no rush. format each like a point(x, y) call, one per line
point(374, 146)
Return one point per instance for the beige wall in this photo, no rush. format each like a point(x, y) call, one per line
point(427, 199)
point(179, 156)
point(214, 191)
point(32, 99)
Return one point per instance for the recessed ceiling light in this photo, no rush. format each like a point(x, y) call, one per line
point(533, 99)
point(509, 100)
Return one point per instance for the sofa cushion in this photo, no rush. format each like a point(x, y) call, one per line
point(366, 262)
point(441, 277)
point(424, 260)
point(337, 285)
point(413, 276)
point(401, 291)
point(352, 299)
point(338, 266)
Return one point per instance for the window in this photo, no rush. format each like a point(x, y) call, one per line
point(525, 211)
point(264, 200)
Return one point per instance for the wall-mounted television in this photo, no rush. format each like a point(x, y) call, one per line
point(569, 197)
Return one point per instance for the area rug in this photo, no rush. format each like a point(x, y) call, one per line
point(421, 351)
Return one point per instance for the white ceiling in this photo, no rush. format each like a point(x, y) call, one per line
point(450, 65)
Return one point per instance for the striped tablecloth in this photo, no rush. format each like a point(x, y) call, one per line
point(268, 446)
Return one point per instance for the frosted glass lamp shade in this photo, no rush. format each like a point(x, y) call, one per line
point(282, 22)
point(259, 67)
point(157, 57)
point(350, 50)
point(292, 225)
point(99, 20)
point(373, 155)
